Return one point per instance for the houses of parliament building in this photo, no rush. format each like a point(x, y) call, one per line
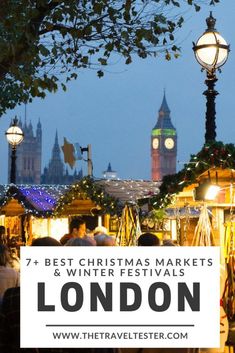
point(29, 160)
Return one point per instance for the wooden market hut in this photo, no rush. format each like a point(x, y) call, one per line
point(184, 209)
point(26, 210)
point(181, 194)
point(39, 210)
point(34, 210)
point(109, 198)
point(189, 202)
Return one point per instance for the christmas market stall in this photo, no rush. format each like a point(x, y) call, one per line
point(27, 211)
point(113, 201)
point(32, 211)
point(201, 196)
point(88, 199)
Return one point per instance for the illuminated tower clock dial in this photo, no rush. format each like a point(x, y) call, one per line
point(169, 143)
point(155, 143)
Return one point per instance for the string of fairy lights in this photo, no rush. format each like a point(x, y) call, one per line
point(109, 195)
point(216, 154)
point(84, 189)
point(38, 200)
point(51, 200)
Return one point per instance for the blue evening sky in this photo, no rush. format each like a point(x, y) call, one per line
point(116, 114)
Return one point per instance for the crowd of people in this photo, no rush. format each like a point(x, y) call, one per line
point(10, 287)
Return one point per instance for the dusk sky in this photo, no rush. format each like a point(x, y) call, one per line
point(116, 114)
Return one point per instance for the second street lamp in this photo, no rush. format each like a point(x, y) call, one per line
point(211, 51)
point(14, 136)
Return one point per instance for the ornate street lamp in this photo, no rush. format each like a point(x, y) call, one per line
point(14, 137)
point(211, 51)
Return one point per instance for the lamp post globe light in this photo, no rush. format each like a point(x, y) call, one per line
point(211, 51)
point(14, 137)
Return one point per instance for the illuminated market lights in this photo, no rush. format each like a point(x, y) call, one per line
point(50, 200)
point(176, 182)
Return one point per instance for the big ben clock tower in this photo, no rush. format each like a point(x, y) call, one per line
point(163, 144)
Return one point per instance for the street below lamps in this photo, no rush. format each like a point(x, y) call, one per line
point(14, 137)
point(211, 51)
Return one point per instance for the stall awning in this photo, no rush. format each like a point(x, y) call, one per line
point(35, 199)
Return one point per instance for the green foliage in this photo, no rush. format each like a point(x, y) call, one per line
point(87, 188)
point(157, 215)
point(215, 154)
point(43, 41)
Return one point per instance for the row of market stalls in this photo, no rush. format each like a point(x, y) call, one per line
point(30, 211)
point(200, 199)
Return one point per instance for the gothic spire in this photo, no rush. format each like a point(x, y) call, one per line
point(164, 106)
point(25, 115)
point(109, 169)
point(39, 125)
point(39, 131)
point(164, 119)
point(56, 138)
point(56, 149)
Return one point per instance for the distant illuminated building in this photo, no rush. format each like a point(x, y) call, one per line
point(29, 155)
point(163, 144)
point(56, 173)
point(109, 173)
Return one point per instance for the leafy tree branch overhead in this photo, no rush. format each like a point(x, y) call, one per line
point(43, 41)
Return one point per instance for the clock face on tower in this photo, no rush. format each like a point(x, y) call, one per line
point(155, 143)
point(169, 143)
